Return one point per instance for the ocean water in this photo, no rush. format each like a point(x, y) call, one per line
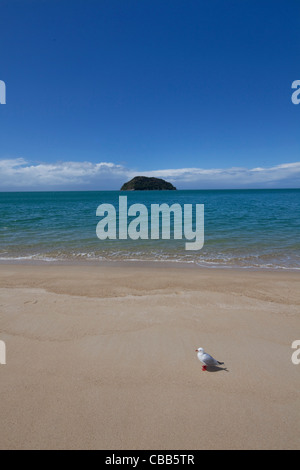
point(243, 228)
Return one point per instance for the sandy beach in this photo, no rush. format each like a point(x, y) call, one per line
point(103, 357)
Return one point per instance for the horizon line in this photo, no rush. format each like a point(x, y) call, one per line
point(142, 190)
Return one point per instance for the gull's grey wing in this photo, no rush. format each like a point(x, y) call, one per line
point(209, 360)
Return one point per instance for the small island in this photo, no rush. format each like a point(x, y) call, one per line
point(144, 183)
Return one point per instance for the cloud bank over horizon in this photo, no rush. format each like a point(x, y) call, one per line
point(19, 174)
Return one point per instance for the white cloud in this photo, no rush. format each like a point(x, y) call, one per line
point(19, 174)
point(285, 175)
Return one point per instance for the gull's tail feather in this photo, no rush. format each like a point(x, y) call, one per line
point(220, 363)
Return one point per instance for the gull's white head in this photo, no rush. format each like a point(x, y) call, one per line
point(200, 350)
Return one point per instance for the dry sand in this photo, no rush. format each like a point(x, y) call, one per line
point(104, 357)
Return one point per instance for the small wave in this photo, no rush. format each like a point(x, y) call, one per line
point(218, 260)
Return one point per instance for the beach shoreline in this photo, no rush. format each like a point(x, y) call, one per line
point(103, 357)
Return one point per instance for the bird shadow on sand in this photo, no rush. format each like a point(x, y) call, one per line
point(216, 369)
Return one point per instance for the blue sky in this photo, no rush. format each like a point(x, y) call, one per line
point(196, 91)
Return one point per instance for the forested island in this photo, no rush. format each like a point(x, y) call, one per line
point(144, 183)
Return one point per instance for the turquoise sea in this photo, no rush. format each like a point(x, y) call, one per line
point(243, 228)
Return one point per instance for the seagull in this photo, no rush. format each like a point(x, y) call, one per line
point(206, 359)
